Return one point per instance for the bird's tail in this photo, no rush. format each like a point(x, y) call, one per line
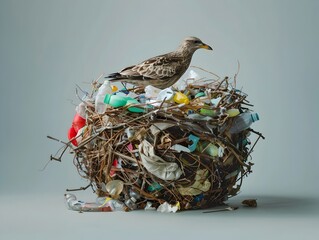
point(114, 76)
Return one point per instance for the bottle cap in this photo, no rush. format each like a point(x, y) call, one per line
point(254, 117)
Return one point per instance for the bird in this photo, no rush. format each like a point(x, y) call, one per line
point(161, 71)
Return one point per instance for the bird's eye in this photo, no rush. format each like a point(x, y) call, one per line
point(196, 41)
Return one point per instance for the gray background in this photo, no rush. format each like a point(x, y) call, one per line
point(46, 47)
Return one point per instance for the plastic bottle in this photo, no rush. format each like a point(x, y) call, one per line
point(102, 204)
point(114, 204)
point(100, 106)
point(243, 122)
point(120, 101)
point(116, 100)
point(134, 109)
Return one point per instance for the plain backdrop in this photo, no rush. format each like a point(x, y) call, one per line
point(47, 47)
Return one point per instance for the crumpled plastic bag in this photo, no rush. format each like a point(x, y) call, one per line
point(199, 185)
point(156, 165)
point(167, 208)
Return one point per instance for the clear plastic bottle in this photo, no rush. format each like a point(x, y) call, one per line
point(243, 122)
point(102, 204)
point(100, 105)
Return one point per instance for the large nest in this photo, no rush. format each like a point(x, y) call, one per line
point(179, 153)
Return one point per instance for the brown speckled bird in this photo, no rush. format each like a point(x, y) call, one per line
point(161, 71)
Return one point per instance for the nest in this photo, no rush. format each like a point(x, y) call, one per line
point(175, 153)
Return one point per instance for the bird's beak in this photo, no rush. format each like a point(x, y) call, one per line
point(205, 46)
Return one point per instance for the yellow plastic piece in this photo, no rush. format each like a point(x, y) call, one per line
point(181, 98)
point(105, 202)
point(114, 88)
point(233, 112)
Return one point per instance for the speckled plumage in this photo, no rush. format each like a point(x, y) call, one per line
point(161, 71)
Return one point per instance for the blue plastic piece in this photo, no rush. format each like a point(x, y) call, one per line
point(199, 197)
point(194, 140)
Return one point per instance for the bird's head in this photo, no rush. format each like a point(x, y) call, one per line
point(191, 44)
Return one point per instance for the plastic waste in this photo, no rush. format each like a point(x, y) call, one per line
point(131, 202)
point(166, 94)
point(196, 116)
point(181, 98)
point(201, 184)
point(243, 122)
point(81, 109)
point(215, 101)
point(154, 187)
point(114, 204)
point(114, 188)
point(149, 206)
point(77, 123)
point(117, 163)
point(233, 112)
point(167, 208)
point(194, 139)
point(135, 109)
point(130, 132)
point(79, 135)
point(207, 148)
point(101, 204)
point(199, 197)
point(100, 106)
point(151, 92)
point(157, 165)
point(192, 76)
point(116, 100)
point(72, 135)
point(200, 94)
point(142, 98)
point(246, 142)
point(180, 148)
point(208, 112)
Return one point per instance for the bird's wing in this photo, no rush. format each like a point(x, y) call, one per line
point(160, 67)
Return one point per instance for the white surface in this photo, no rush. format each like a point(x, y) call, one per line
point(45, 217)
